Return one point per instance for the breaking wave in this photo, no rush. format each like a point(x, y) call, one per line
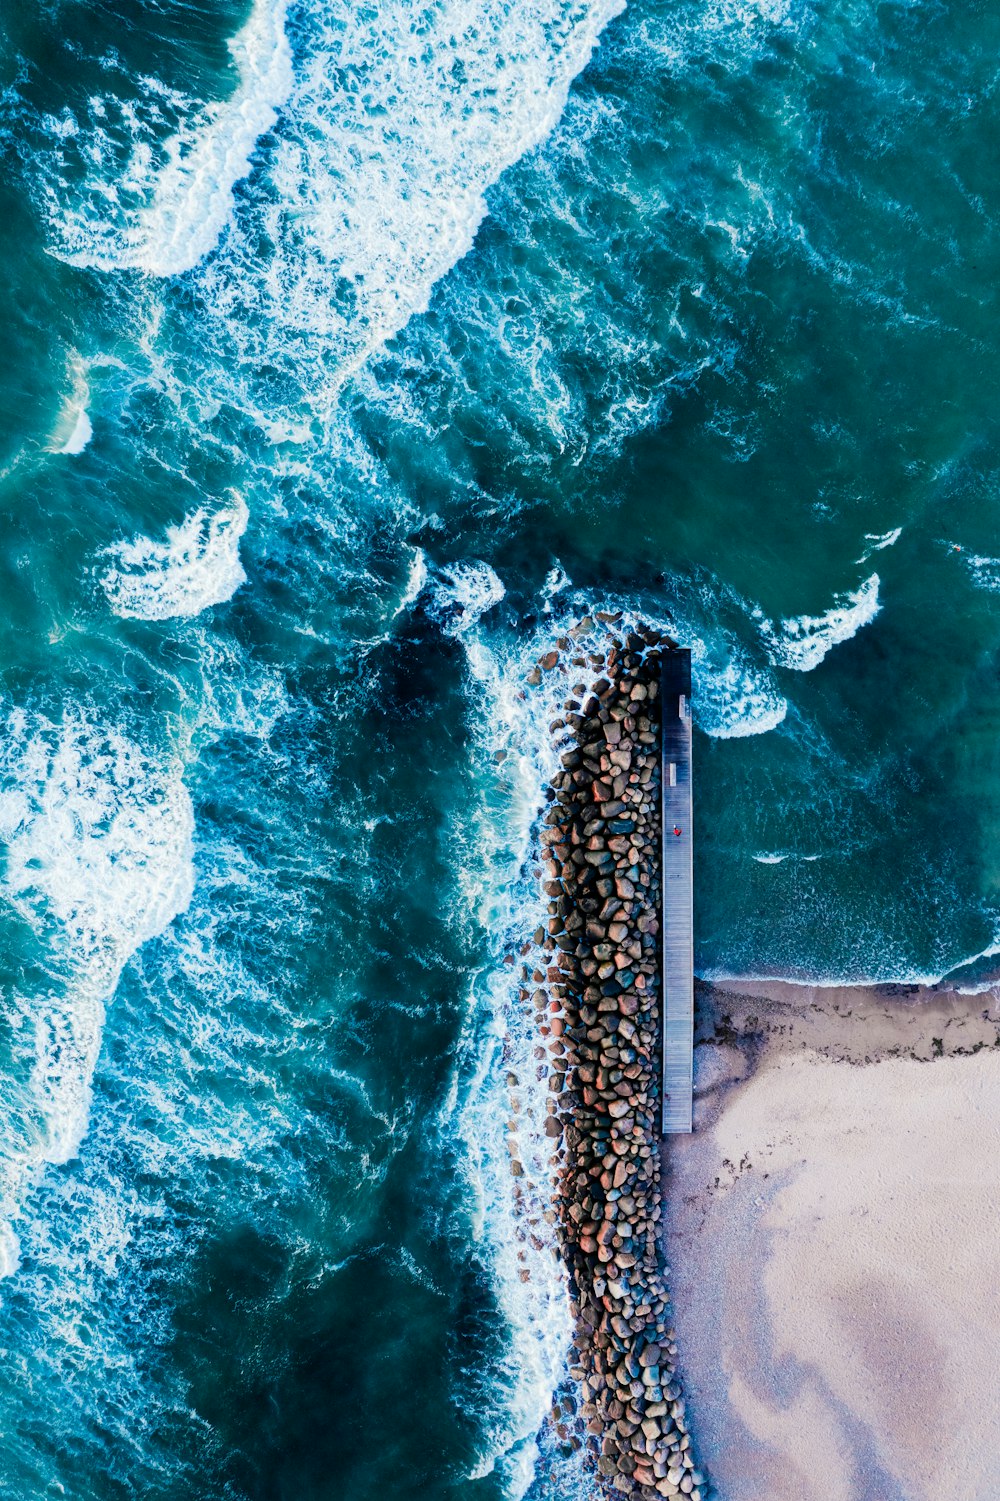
point(193, 195)
point(198, 565)
point(879, 540)
point(392, 127)
point(73, 429)
point(733, 698)
point(99, 860)
point(173, 197)
point(462, 594)
point(803, 642)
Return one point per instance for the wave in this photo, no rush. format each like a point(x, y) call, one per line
point(99, 860)
point(502, 1114)
point(80, 436)
point(188, 1130)
point(394, 132)
point(734, 693)
point(528, 372)
point(193, 196)
point(197, 566)
point(462, 593)
point(878, 540)
point(556, 580)
point(733, 698)
point(416, 578)
point(777, 857)
point(392, 127)
point(803, 642)
point(174, 197)
point(73, 429)
point(985, 572)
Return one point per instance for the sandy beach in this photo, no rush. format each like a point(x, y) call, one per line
point(832, 1231)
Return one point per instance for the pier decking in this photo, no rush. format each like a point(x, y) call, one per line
point(678, 940)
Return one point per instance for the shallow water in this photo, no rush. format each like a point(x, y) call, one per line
point(351, 353)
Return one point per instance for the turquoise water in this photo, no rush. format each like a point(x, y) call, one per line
point(350, 352)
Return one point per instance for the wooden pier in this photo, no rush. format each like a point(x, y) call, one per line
point(677, 927)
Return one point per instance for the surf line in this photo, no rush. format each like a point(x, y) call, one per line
point(598, 1005)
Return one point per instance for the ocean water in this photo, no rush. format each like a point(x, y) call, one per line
point(350, 353)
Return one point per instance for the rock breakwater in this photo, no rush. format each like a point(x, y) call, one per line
point(597, 1001)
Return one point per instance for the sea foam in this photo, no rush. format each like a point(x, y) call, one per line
point(198, 565)
point(803, 642)
point(496, 1119)
point(73, 428)
point(99, 859)
point(81, 435)
point(734, 697)
point(390, 129)
point(161, 205)
point(985, 572)
point(193, 197)
point(462, 594)
point(396, 128)
point(879, 540)
point(416, 578)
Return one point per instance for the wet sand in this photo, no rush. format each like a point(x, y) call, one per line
point(833, 1229)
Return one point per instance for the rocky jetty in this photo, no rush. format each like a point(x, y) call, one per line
point(597, 1000)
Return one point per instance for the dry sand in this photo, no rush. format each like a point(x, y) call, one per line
point(833, 1229)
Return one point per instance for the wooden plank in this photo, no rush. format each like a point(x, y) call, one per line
point(677, 923)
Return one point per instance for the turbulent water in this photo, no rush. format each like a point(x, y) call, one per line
point(350, 352)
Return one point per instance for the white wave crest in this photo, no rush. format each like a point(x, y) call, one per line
point(802, 643)
point(985, 572)
point(777, 857)
point(10, 1252)
point(733, 698)
point(556, 580)
point(398, 123)
point(80, 436)
point(193, 201)
point(197, 566)
point(877, 540)
point(416, 578)
point(172, 199)
point(73, 429)
point(99, 860)
point(462, 594)
point(503, 1110)
point(393, 125)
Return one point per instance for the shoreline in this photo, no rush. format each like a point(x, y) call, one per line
point(858, 1024)
point(830, 1225)
point(764, 983)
